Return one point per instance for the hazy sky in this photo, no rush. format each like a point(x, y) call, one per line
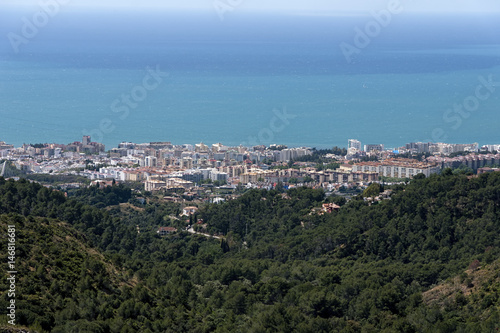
point(307, 7)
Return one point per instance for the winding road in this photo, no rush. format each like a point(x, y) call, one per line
point(191, 230)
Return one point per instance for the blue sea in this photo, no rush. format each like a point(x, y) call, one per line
point(233, 81)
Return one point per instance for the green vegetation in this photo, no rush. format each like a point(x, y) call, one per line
point(94, 167)
point(56, 179)
point(327, 166)
point(60, 275)
point(417, 156)
point(394, 179)
point(318, 155)
point(424, 261)
point(463, 169)
point(369, 158)
point(215, 183)
point(373, 190)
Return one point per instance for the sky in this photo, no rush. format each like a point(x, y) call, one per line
point(299, 7)
point(247, 20)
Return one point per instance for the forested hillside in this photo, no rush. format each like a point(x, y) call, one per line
point(424, 261)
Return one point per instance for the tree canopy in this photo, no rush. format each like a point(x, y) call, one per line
point(425, 260)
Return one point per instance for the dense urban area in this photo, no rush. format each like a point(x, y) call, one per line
point(193, 171)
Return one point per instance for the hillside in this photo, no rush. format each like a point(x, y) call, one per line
point(424, 261)
point(57, 272)
point(472, 294)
